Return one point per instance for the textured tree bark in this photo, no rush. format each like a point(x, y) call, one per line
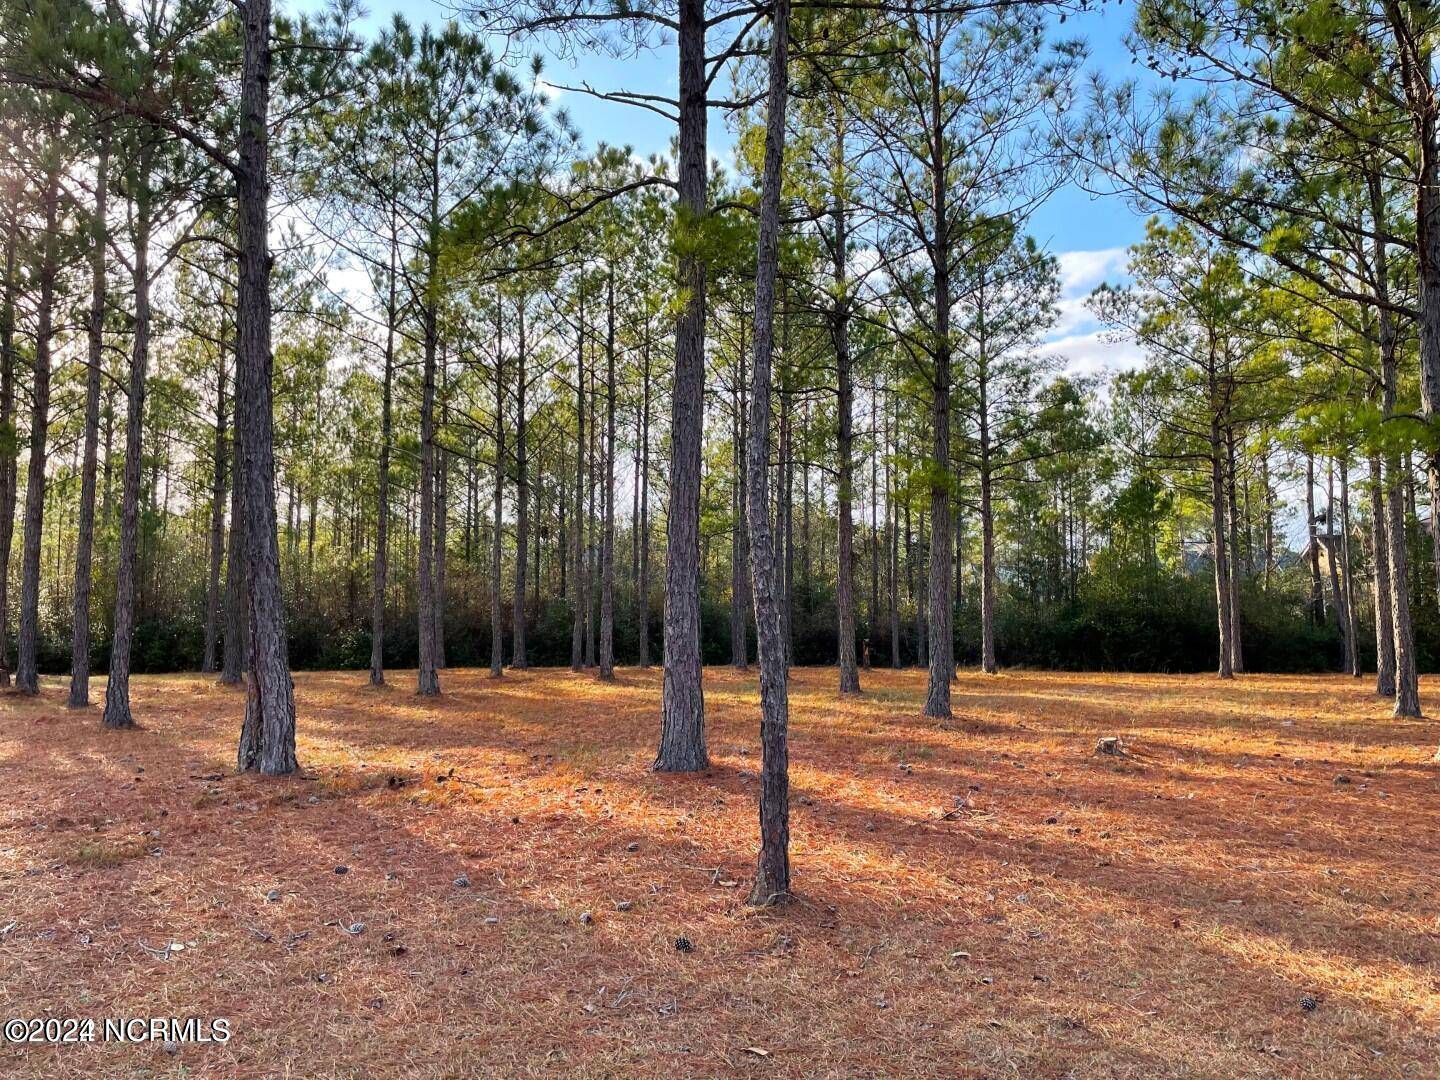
point(1407, 683)
point(27, 676)
point(1337, 595)
point(577, 526)
point(642, 599)
point(428, 680)
point(740, 534)
point(1384, 621)
point(9, 440)
point(772, 870)
point(117, 689)
point(942, 644)
point(872, 614)
point(236, 653)
point(1418, 76)
point(381, 568)
point(1237, 654)
point(682, 728)
point(987, 530)
point(607, 541)
point(785, 522)
point(497, 522)
point(442, 523)
point(522, 496)
point(1221, 545)
point(94, 359)
point(592, 525)
point(217, 522)
point(845, 443)
point(892, 549)
point(267, 741)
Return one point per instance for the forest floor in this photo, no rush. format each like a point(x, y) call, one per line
point(1251, 891)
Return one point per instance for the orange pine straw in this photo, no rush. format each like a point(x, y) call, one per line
point(987, 897)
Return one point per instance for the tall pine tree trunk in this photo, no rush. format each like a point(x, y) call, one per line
point(642, 599)
point(682, 728)
point(1407, 683)
point(9, 439)
point(1384, 621)
point(94, 360)
point(381, 567)
point(267, 740)
point(428, 680)
point(117, 689)
point(497, 536)
point(27, 676)
point(522, 498)
point(577, 526)
point(235, 657)
point(1337, 595)
point(772, 870)
point(217, 522)
point(845, 444)
point(1221, 546)
point(607, 554)
point(942, 646)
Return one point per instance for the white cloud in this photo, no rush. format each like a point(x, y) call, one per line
point(1077, 336)
point(1081, 271)
point(1094, 353)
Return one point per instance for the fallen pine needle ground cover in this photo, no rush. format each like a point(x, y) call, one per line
point(494, 884)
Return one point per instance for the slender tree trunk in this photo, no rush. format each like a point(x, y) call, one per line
point(117, 690)
point(235, 655)
point(1407, 683)
point(1384, 622)
point(740, 603)
point(942, 645)
point(9, 439)
point(872, 615)
point(1237, 655)
point(27, 676)
point(522, 498)
point(217, 521)
point(642, 599)
point(577, 584)
point(428, 681)
point(607, 554)
point(786, 516)
point(268, 736)
point(772, 871)
point(1317, 602)
point(845, 439)
point(592, 523)
point(1221, 545)
point(892, 552)
point(1338, 605)
point(987, 528)
point(442, 516)
point(682, 729)
point(380, 568)
point(497, 539)
point(94, 360)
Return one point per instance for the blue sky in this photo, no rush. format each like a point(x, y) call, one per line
point(1088, 234)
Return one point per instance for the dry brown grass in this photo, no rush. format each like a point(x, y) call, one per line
point(1074, 914)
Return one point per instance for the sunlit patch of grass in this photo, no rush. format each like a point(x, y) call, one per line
point(104, 854)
